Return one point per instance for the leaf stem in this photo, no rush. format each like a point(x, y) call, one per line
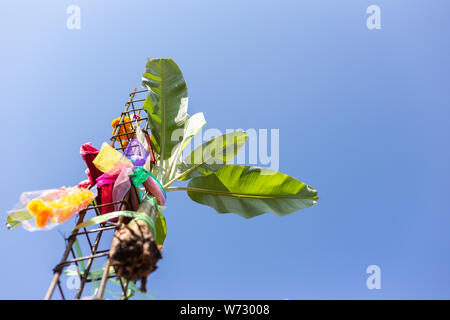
point(229, 193)
point(182, 175)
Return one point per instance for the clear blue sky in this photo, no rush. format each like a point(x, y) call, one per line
point(363, 117)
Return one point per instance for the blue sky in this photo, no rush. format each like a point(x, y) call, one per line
point(363, 117)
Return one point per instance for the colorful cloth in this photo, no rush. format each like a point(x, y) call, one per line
point(122, 186)
point(106, 197)
point(47, 208)
point(108, 158)
point(136, 153)
point(143, 177)
point(88, 154)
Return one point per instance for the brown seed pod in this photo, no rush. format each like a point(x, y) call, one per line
point(134, 252)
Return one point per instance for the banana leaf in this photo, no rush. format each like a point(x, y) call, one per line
point(251, 191)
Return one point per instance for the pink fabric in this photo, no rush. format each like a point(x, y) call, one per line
point(114, 186)
point(105, 185)
point(88, 153)
point(106, 178)
point(122, 185)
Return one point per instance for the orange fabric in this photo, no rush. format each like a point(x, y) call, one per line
point(59, 210)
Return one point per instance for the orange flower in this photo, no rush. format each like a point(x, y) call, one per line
point(124, 128)
point(42, 212)
point(61, 209)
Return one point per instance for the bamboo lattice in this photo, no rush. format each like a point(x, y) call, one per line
point(83, 266)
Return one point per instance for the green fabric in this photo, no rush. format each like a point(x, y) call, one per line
point(148, 220)
point(160, 221)
point(152, 200)
point(139, 176)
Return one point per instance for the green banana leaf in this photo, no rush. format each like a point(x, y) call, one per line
point(161, 229)
point(108, 216)
point(217, 151)
point(79, 253)
point(158, 226)
point(193, 125)
point(251, 191)
point(166, 103)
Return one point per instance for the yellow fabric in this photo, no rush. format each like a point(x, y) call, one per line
point(107, 158)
